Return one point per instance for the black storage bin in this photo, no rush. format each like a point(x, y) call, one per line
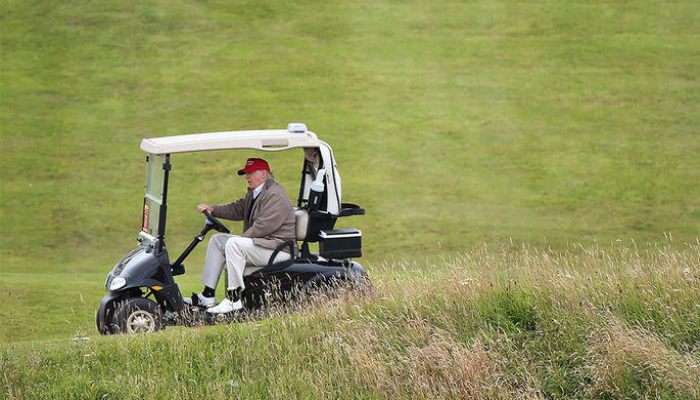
point(340, 243)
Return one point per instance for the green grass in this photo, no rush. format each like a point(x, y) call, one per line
point(455, 124)
point(544, 123)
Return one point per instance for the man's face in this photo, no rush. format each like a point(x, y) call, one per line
point(256, 178)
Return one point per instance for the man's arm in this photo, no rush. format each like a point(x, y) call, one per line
point(233, 211)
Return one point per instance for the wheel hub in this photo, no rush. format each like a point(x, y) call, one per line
point(141, 322)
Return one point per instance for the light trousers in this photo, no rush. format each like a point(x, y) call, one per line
point(234, 253)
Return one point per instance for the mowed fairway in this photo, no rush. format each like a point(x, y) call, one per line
point(464, 128)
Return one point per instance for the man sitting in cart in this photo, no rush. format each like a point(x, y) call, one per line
point(268, 221)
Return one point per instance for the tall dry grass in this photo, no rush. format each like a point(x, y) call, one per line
point(526, 322)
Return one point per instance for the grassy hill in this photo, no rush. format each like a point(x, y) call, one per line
point(514, 322)
point(456, 125)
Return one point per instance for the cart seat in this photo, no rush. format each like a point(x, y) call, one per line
point(302, 223)
point(249, 269)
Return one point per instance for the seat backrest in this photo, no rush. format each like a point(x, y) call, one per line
point(302, 220)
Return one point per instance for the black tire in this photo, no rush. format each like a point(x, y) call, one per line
point(106, 327)
point(137, 315)
point(324, 288)
point(331, 287)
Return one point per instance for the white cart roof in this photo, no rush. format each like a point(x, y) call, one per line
point(318, 154)
point(294, 136)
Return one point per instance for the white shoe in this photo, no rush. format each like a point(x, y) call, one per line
point(226, 306)
point(200, 300)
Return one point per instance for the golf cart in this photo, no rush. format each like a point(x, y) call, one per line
point(142, 293)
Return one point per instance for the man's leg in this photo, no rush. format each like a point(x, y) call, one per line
point(215, 260)
point(213, 266)
point(241, 251)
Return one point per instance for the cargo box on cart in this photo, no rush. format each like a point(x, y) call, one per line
point(340, 243)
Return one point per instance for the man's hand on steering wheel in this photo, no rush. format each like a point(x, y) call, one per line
point(217, 225)
point(204, 207)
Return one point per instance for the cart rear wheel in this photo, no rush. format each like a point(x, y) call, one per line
point(137, 315)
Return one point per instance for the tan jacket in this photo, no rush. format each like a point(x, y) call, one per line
point(272, 217)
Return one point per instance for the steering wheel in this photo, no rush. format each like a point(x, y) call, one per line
point(217, 225)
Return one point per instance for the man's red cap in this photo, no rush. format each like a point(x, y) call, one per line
point(254, 164)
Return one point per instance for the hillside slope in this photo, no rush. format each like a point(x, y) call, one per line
point(530, 172)
point(453, 123)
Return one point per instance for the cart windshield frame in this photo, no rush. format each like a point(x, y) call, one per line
point(155, 198)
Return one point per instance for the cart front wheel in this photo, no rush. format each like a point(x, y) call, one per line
point(137, 315)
